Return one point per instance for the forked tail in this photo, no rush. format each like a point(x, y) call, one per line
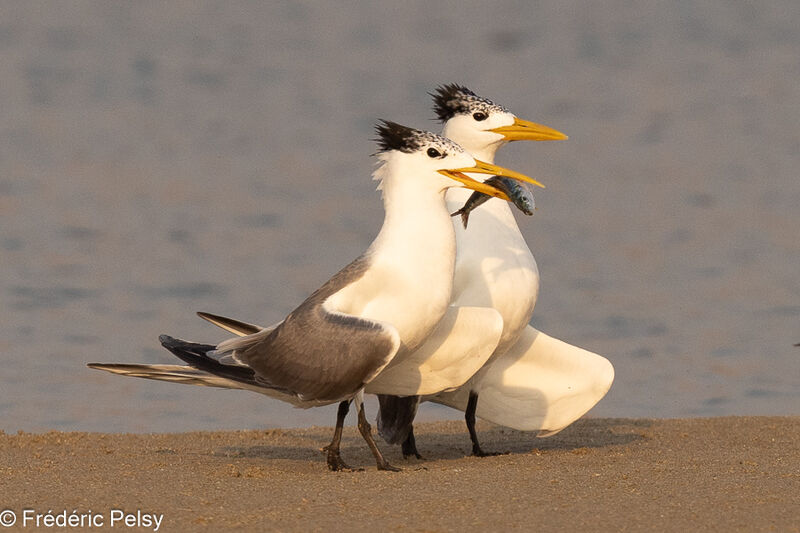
point(183, 374)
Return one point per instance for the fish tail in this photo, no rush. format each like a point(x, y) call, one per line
point(464, 212)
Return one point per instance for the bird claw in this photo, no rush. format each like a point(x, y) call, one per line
point(335, 464)
point(343, 467)
point(410, 451)
point(386, 466)
point(477, 452)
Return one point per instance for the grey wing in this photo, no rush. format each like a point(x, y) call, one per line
point(318, 354)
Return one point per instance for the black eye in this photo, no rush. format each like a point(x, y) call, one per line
point(433, 152)
point(480, 116)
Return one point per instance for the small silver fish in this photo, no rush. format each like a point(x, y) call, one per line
point(520, 195)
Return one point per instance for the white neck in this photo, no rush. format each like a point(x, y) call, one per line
point(484, 153)
point(412, 260)
point(473, 142)
point(416, 229)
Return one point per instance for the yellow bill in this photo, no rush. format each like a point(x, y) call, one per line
point(476, 185)
point(482, 167)
point(522, 130)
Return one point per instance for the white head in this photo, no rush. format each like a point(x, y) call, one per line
point(431, 162)
point(480, 125)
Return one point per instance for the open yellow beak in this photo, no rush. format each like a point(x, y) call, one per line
point(522, 130)
point(486, 168)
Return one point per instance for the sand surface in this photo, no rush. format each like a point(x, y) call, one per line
point(714, 474)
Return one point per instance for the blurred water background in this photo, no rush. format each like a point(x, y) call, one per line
point(159, 159)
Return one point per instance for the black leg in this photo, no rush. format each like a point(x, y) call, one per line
point(469, 415)
point(366, 432)
point(335, 462)
point(410, 446)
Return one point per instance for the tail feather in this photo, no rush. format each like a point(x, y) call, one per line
point(396, 417)
point(172, 373)
point(195, 355)
point(237, 327)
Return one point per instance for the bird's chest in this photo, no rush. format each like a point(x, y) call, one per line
point(508, 282)
point(495, 268)
point(407, 285)
point(419, 295)
point(513, 287)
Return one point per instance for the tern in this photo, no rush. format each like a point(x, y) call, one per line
point(531, 381)
point(378, 309)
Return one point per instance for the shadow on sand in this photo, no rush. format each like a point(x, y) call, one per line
point(447, 441)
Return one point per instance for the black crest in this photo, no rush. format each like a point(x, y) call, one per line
point(450, 99)
point(394, 136)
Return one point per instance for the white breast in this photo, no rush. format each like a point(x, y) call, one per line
point(410, 278)
point(494, 267)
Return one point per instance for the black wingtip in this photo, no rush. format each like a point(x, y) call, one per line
point(167, 341)
point(196, 356)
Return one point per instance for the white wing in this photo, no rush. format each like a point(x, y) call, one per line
point(460, 345)
point(540, 383)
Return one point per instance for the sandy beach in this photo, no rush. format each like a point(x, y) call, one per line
point(712, 474)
